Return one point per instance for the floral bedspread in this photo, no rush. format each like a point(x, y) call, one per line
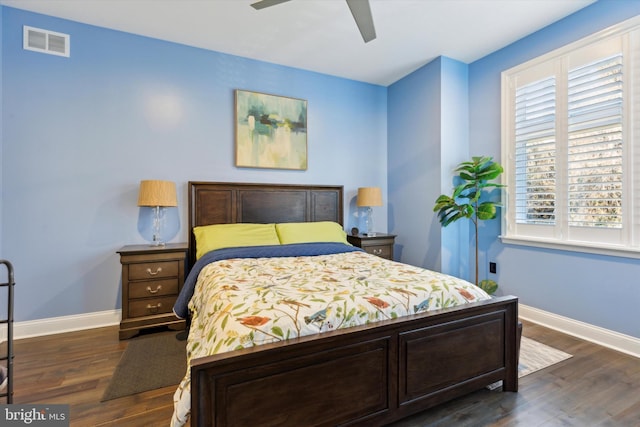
point(245, 302)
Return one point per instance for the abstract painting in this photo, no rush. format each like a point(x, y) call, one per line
point(271, 131)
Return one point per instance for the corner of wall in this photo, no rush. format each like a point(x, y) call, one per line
point(428, 136)
point(454, 148)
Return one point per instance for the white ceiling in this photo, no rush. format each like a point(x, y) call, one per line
point(321, 35)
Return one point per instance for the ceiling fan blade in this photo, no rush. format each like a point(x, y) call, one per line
point(266, 3)
point(361, 12)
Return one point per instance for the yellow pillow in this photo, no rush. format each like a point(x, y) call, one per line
point(211, 237)
point(308, 232)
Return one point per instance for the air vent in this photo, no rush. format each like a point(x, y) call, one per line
point(46, 41)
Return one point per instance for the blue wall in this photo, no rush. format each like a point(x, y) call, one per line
point(428, 137)
point(455, 149)
point(79, 134)
point(414, 164)
point(599, 290)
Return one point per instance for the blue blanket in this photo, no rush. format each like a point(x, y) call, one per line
point(181, 307)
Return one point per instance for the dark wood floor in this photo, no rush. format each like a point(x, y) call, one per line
point(596, 387)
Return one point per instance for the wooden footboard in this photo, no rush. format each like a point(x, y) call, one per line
point(367, 375)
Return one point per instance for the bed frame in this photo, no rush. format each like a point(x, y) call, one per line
point(366, 375)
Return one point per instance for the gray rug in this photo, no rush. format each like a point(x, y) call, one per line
point(159, 360)
point(149, 362)
point(535, 356)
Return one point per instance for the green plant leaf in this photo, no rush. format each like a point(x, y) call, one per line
point(460, 192)
point(487, 210)
point(490, 185)
point(480, 159)
point(474, 197)
point(468, 210)
point(447, 217)
point(490, 173)
point(466, 166)
point(465, 202)
point(443, 198)
point(467, 176)
point(489, 286)
point(444, 202)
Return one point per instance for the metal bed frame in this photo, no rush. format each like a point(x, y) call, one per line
point(8, 356)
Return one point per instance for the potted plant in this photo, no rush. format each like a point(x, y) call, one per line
point(467, 201)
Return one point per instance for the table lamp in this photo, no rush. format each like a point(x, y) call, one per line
point(159, 195)
point(368, 197)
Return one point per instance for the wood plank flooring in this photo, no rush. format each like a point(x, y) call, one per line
point(596, 387)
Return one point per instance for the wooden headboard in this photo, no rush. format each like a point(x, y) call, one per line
point(228, 203)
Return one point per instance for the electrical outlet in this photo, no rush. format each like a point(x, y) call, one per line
point(493, 267)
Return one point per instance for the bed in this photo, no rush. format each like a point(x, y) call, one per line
point(382, 369)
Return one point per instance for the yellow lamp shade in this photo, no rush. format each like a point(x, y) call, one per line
point(157, 193)
point(369, 196)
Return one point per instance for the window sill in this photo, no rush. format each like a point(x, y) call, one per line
point(616, 251)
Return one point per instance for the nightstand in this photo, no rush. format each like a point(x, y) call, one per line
point(381, 244)
point(152, 277)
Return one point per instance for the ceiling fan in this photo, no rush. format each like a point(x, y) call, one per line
point(360, 10)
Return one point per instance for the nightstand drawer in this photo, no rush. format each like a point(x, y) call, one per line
point(151, 306)
point(153, 288)
point(152, 277)
point(383, 251)
point(153, 270)
point(380, 245)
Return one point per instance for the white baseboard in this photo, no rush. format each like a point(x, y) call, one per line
point(614, 340)
point(595, 334)
point(57, 325)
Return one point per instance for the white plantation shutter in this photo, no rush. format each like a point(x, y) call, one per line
point(535, 153)
point(571, 145)
point(595, 144)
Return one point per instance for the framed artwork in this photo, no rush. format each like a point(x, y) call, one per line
point(271, 131)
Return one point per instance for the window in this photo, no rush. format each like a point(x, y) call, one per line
point(571, 146)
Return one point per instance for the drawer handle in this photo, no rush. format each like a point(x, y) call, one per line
point(154, 273)
point(154, 308)
point(154, 291)
point(377, 251)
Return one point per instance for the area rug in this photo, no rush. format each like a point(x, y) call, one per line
point(535, 356)
point(159, 360)
point(148, 363)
